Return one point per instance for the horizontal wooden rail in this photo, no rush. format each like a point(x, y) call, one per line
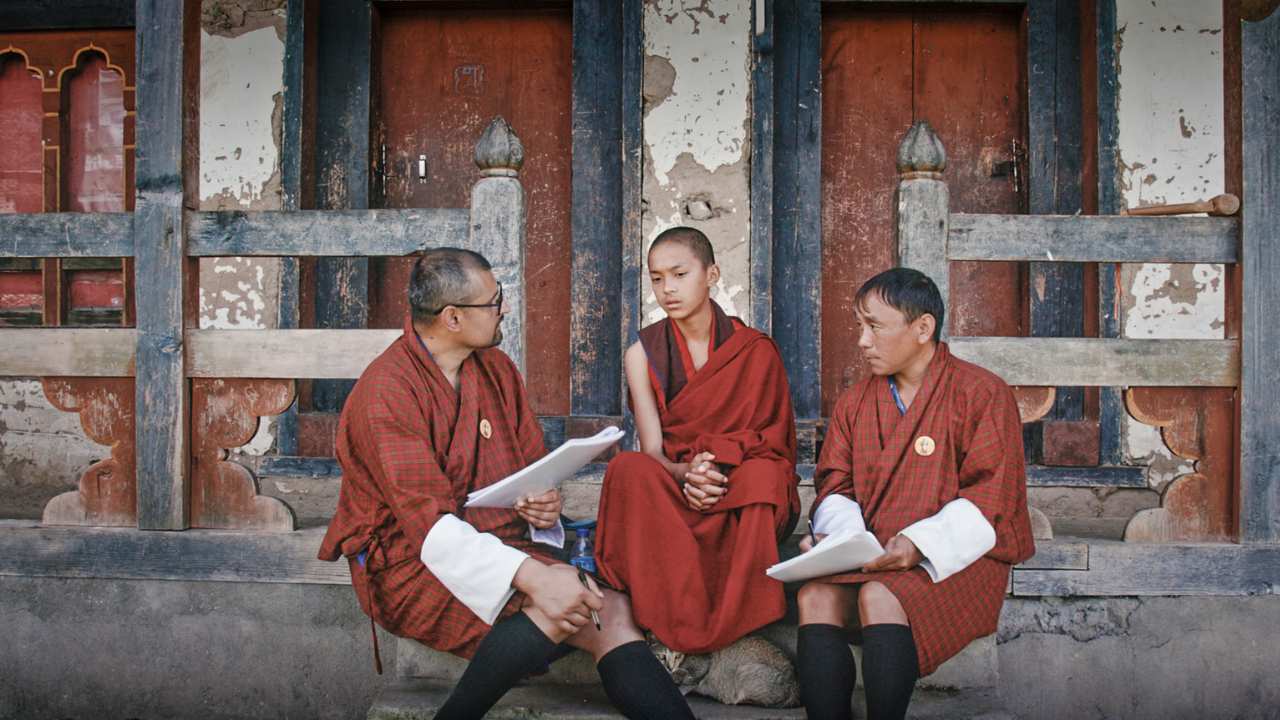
point(76, 352)
point(1073, 238)
point(362, 233)
point(319, 354)
point(66, 235)
point(1093, 362)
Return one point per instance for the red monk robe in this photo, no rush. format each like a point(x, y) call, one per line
point(696, 579)
point(411, 448)
point(872, 455)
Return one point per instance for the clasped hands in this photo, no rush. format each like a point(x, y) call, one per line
point(704, 485)
point(899, 553)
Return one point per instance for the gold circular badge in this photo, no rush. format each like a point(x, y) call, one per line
point(924, 446)
point(486, 429)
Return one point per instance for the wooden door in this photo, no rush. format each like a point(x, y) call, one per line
point(960, 69)
point(66, 145)
point(443, 74)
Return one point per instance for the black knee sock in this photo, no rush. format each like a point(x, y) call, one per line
point(889, 670)
point(639, 686)
point(513, 649)
point(827, 672)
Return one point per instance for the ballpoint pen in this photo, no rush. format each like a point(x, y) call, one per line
point(595, 618)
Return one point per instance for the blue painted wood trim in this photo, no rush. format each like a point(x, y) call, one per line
point(762, 126)
point(797, 198)
point(343, 106)
point(1110, 201)
point(596, 214)
point(632, 195)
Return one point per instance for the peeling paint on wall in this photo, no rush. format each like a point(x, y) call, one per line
point(43, 451)
point(1170, 144)
point(697, 92)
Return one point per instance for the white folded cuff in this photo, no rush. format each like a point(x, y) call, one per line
point(952, 539)
point(837, 513)
point(476, 567)
point(553, 536)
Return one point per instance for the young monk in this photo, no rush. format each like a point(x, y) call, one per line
point(441, 413)
point(926, 453)
point(689, 524)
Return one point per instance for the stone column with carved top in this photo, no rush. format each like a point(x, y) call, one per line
point(924, 207)
point(498, 225)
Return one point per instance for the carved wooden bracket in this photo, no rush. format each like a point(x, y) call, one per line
point(225, 414)
point(108, 493)
point(1196, 424)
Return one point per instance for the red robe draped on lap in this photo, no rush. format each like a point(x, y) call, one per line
point(411, 450)
point(697, 580)
point(869, 456)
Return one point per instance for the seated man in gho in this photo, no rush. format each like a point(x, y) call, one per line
point(926, 454)
point(688, 525)
point(441, 413)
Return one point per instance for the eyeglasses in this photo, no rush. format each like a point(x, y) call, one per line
point(496, 303)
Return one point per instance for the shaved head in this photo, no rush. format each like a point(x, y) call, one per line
point(691, 238)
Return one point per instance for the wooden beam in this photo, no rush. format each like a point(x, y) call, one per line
point(596, 215)
point(66, 15)
point(1090, 362)
point(797, 198)
point(1067, 238)
point(61, 352)
point(632, 195)
point(343, 118)
point(195, 555)
point(762, 130)
point(1111, 414)
point(168, 43)
point(358, 233)
point(1118, 568)
point(1127, 476)
point(284, 353)
point(64, 235)
point(1058, 556)
point(1260, 329)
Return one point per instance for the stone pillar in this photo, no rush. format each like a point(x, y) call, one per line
point(924, 207)
point(498, 224)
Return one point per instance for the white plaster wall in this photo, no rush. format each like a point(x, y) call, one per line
point(697, 77)
point(241, 103)
point(1171, 140)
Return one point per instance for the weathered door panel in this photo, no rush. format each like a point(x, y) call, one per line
point(443, 74)
point(882, 70)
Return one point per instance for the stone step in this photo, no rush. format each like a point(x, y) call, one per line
point(415, 699)
point(974, 668)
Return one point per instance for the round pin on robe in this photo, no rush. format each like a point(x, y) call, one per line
point(486, 430)
point(925, 446)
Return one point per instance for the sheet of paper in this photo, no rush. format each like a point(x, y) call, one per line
point(548, 472)
point(835, 554)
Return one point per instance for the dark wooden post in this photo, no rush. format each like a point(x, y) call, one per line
point(924, 207)
point(497, 224)
point(168, 47)
point(1260, 258)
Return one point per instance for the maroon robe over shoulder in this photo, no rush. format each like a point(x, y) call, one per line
point(696, 579)
point(869, 456)
point(411, 449)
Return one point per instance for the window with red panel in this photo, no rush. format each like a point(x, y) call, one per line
point(66, 145)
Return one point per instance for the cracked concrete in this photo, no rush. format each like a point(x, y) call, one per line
point(1140, 658)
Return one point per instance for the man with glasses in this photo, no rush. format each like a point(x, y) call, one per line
point(441, 413)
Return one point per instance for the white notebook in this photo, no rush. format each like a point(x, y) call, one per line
point(547, 472)
point(836, 553)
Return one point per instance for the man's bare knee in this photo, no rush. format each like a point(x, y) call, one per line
point(617, 627)
point(823, 603)
point(548, 627)
point(878, 605)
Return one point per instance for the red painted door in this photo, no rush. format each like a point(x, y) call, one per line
point(66, 145)
point(443, 74)
point(882, 70)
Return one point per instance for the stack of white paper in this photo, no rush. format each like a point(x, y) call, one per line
point(836, 553)
point(547, 473)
